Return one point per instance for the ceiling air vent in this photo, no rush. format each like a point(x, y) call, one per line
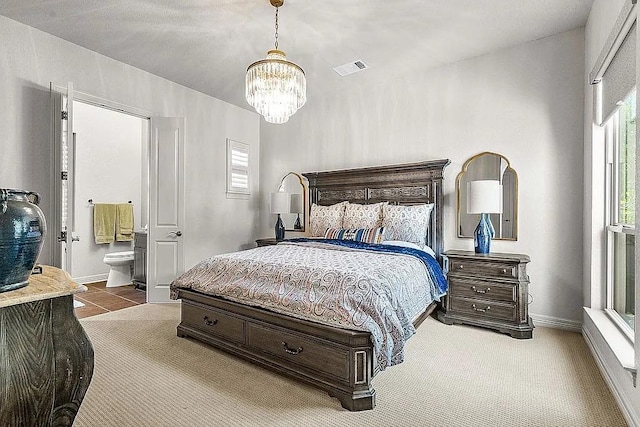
point(350, 68)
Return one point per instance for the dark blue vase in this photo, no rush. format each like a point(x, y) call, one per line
point(22, 231)
point(279, 228)
point(483, 234)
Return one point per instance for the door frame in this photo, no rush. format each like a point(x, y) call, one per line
point(56, 92)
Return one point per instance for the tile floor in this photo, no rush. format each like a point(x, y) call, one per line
point(99, 299)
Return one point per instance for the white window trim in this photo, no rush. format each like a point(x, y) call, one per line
point(612, 188)
point(618, 344)
point(234, 191)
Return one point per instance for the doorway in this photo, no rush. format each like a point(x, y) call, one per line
point(110, 167)
point(100, 156)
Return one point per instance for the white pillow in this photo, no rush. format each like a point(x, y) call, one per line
point(362, 216)
point(407, 223)
point(323, 217)
point(411, 245)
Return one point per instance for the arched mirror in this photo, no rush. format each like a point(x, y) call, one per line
point(495, 167)
point(293, 184)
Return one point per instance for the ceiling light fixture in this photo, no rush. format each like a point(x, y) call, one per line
point(275, 87)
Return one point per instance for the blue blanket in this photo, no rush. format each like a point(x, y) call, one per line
point(432, 265)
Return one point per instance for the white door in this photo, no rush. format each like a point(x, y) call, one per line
point(64, 169)
point(165, 250)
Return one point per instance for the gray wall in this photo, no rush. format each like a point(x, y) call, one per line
point(525, 103)
point(30, 59)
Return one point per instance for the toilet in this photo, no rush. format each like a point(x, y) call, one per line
point(121, 264)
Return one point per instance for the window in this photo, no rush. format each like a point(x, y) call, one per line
point(620, 131)
point(238, 182)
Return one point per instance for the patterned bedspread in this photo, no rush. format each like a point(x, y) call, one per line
point(347, 286)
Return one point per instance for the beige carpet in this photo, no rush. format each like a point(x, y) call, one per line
point(454, 375)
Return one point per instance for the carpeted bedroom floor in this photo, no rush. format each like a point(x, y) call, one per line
point(453, 375)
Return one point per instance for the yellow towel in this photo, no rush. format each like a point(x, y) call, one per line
point(104, 222)
point(124, 222)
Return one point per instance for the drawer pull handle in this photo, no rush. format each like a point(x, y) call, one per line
point(209, 322)
point(461, 266)
point(480, 291)
point(504, 271)
point(290, 351)
point(481, 310)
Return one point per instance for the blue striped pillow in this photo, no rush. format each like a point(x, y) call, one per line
point(367, 235)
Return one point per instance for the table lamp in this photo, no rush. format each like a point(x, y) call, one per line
point(280, 204)
point(484, 197)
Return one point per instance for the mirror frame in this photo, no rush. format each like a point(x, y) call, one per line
point(305, 199)
point(515, 195)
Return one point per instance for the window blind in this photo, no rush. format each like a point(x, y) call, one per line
point(237, 167)
point(619, 78)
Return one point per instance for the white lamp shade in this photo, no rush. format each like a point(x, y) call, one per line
point(296, 203)
point(280, 202)
point(484, 196)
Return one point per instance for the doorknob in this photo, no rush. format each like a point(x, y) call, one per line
point(176, 233)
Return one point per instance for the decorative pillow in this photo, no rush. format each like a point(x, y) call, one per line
point(367, 235)
point(407, 223)
point(363, 216)
point(323, 217)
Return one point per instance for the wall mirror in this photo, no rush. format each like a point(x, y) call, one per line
point(293, 183)
point(489, 166)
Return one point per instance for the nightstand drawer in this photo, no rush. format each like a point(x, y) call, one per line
point(460, 287)
point(483, 308)
point(482, 268)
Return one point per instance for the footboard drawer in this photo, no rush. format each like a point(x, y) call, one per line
point(213, 321)
point(310, 354)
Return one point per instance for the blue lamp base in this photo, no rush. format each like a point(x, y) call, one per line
point(279, 228)
point(483, 234)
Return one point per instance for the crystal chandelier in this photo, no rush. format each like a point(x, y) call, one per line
point(275, 87)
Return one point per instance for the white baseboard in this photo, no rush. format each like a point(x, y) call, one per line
point(91, 279)
point(622, 401)
point(556, 322)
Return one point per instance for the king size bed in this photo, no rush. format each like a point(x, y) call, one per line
point(330, 312)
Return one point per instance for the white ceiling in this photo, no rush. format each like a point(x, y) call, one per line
point(208, 44)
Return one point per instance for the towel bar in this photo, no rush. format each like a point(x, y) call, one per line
point(90, 201)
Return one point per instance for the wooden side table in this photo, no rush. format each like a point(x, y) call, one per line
point(267, 242)
point(47, 357)
point(488, 290)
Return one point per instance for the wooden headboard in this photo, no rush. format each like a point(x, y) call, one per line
point(406, 184)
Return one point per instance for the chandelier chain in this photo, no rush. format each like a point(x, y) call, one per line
point(277, 28)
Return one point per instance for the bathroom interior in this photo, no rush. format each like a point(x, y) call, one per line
point(111, 167)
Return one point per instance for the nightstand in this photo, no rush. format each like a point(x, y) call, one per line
point(267, 242)
point(488, 290)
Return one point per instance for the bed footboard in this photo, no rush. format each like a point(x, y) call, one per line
point(338, 361)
